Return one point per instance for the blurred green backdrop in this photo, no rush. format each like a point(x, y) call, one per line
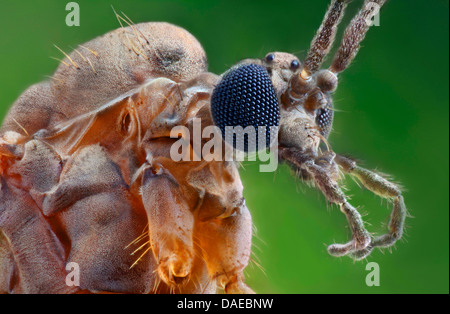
point(394, 110)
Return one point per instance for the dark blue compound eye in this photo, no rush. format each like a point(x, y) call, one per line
point(246, 97)
point(324, 120)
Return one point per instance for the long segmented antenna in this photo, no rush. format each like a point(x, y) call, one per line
point(325, 36)
point(354, 35)
point(302, 83)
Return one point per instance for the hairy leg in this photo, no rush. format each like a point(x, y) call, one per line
point(385, 189)
point(322, 171)
point(330, 188)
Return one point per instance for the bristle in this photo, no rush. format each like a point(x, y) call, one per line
point(95, 53)
point(141, 247)
point(60, 61)
point(68, 57)
point(20, 126)
point(140, 257)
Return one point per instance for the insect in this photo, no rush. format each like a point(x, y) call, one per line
point(87, 175)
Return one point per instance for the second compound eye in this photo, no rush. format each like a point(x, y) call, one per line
point(270, 57)
point(324, 120)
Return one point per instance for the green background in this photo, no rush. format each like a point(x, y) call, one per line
point(393, 103)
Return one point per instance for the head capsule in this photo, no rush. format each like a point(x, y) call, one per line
point(260, 92)
point(309, 94)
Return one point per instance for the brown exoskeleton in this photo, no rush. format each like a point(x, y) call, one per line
point(87, 177)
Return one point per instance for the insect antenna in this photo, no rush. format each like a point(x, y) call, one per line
point(354, 35)
point(325, 36)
